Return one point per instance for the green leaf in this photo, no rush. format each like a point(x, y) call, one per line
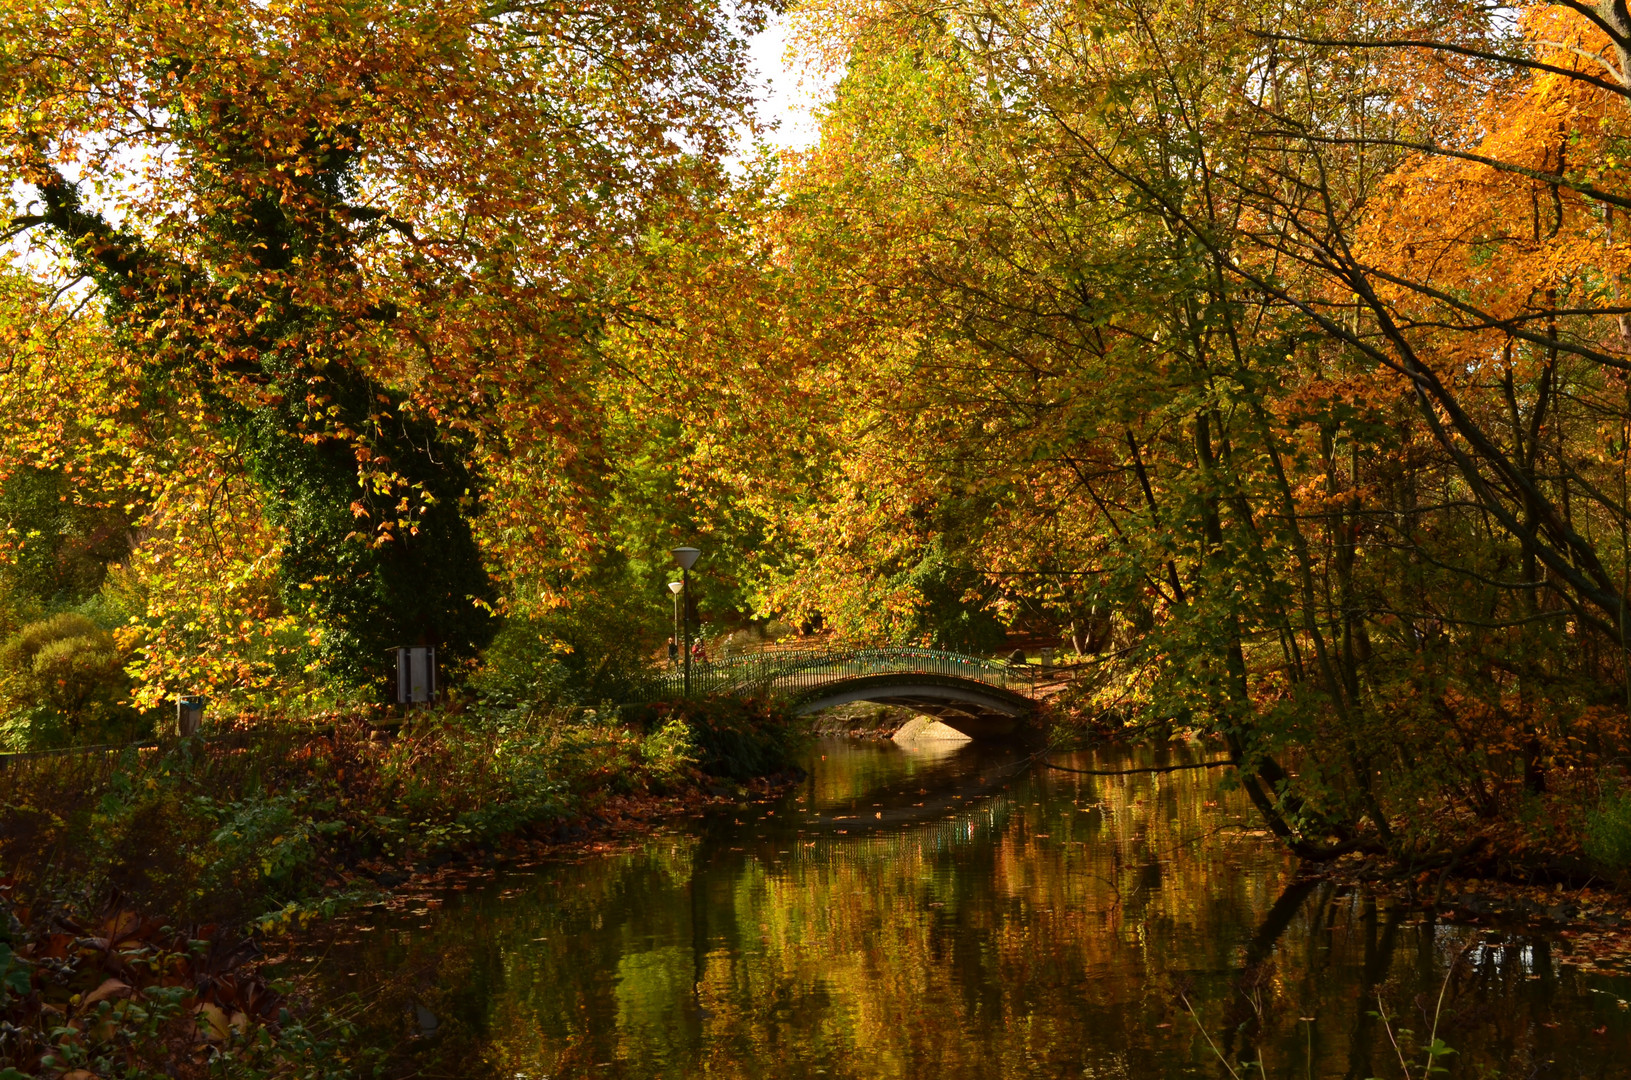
point(14, 978)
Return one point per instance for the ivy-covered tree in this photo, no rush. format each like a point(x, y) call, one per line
point(373, 243)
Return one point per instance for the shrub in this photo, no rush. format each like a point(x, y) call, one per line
point(262, 841)
point(63, 681)
point(222, 831)
point(738, 738)
point(595, 652)
point(953, 605)
point(1607, 835)
point(474, 781)
point(148, 1002)
point(669, 753)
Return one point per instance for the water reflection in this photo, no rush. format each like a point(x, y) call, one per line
point(948, 911)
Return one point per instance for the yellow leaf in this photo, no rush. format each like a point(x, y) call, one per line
point(212, 1023)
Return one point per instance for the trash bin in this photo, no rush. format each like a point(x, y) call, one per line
point(189, 714)
point(415, 676)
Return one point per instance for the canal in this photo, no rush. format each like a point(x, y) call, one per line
point(943, 911)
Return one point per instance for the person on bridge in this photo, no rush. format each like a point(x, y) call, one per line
point(699, 652)
point(673, 653)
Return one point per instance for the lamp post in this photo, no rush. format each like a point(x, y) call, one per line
point(675, 587)
point(687, 558)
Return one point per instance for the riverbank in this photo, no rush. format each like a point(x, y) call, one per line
point(1534, 877)
point(280, 837)
point(1590, 920)
point(123, 870)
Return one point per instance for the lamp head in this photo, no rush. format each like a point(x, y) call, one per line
point(675, 587)
point(686, 556)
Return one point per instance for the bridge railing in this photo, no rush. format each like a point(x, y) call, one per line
point(788, 672)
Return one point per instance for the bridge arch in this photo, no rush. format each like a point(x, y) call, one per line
point(984, 699)
point(979, 711)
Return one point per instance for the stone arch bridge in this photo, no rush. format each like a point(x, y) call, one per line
point(982, 698)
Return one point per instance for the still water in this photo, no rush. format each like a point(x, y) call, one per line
point(947, 910)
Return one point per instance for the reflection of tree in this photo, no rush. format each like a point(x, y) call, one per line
point(1036, 933)
point(959, 947)
point(1254, 986)
point(1378, 959)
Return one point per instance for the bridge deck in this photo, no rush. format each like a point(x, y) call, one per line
point(791, 672)
point(980, 697)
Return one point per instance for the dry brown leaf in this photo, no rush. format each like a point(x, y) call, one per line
point(110, 988)
point(212, 1023)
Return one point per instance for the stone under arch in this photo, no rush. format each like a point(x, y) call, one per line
point(980, 711)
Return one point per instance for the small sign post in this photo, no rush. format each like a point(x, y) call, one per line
point(415, 676)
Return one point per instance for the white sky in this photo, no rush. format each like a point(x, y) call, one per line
point(788, 93)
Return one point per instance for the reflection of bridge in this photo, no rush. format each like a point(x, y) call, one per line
point(983, 699)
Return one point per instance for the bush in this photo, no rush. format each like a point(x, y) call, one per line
point(223, 831)
point(457, 783)
point(952, 610)
point(148, 1002)
point(263, 842)
point(586, 655)
point(63, 682)
point(1607, 836)
point(670, 753)
point(737, 738)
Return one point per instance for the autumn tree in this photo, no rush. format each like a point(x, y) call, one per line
point(1129, 310)
point(376, 245)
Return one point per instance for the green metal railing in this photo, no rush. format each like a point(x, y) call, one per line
point(795, 672)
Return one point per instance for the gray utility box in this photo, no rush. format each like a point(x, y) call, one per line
point(189, 714)
point(415, 676)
